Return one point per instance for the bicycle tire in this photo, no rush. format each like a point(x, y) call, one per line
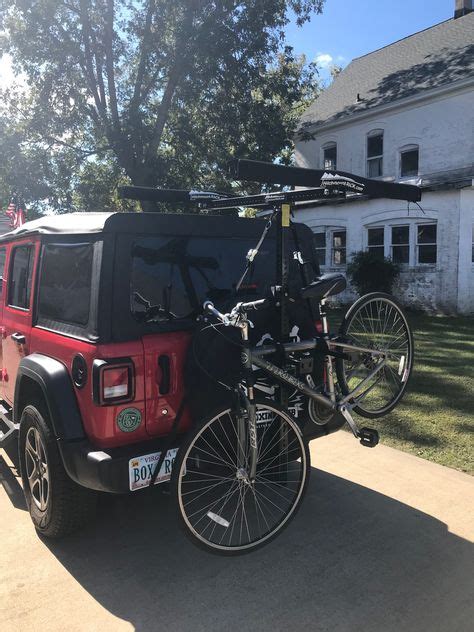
point(218, 530)
point(375, 336)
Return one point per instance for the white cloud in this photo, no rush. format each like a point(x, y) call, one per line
point(324, 60)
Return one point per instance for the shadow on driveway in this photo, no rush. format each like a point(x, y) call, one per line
point(353, 559)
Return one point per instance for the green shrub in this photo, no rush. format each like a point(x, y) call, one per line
point(369, 272)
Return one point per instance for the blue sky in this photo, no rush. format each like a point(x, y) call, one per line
point(350, 28)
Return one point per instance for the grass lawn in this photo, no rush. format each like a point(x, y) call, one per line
point(435, 419)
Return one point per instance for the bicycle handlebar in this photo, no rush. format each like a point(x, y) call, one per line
point(253, 305)
point(240, 308)
point(208, 307)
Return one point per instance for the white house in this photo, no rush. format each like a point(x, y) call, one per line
point(403, 113)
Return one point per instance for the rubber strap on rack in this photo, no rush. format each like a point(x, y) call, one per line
point(170, 440)
point(253, 253)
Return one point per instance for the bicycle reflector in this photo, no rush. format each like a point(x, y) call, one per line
point(113, 382)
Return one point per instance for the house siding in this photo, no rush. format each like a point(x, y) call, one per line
point(446, 286)
point(443, 128)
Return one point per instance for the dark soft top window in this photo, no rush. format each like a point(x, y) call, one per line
point(20, 276)
point(65, 283)
point(175, 274)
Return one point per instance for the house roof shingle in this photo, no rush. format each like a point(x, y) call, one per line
point(437, 56)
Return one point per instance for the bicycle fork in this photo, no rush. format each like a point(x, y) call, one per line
point(251, 414)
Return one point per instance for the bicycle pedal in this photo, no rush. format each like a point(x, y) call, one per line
point(368, 437)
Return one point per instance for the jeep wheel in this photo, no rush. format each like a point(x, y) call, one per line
point(57, 505)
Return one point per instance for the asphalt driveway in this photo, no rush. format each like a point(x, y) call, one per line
point(384, 541)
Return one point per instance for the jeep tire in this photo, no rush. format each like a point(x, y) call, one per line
point(57, 505)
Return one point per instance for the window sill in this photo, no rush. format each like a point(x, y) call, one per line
point(419, 267)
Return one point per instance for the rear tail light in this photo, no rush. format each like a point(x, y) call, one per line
point(113, 381)
point(319, 326)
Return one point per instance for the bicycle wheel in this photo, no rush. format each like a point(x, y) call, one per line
point(376, 321)
point(220, 509)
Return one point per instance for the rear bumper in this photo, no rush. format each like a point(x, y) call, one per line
point(104, 470)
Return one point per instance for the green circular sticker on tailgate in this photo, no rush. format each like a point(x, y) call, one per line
point(129, 419)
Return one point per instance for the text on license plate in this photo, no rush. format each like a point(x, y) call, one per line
point(141, 468)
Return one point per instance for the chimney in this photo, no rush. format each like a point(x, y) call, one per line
point(462, 7)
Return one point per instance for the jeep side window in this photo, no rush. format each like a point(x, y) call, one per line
point(20, 277)
point(65, 283)
point(2, 267)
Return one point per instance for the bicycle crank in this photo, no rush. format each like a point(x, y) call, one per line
point(368, 437)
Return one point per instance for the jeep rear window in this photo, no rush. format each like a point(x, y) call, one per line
point(171, 276)
point(65, 283)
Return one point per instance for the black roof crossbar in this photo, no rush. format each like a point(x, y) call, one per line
point(269, 173)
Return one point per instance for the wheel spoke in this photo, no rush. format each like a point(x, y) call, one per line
point(223, 508)
point(378, 323)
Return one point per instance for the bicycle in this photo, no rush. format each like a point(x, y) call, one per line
point(240, 476)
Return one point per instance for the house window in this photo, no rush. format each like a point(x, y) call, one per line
point(330, 156)
point(426, 243)
point(375, 241)
point(375, 154)
point(401, 244)
point(409, 161)
point(338, 248)
point(319, 241)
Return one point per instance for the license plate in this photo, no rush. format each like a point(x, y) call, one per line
point(141, 468)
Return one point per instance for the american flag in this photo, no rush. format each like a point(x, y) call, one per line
point(15, 213)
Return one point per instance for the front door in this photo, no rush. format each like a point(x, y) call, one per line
point(17, 313)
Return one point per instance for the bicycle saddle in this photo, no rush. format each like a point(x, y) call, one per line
point(325, 285)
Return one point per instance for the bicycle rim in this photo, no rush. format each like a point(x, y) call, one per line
point(219, 507)
point(377, 323)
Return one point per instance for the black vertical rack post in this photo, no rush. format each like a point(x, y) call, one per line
point(282, 281)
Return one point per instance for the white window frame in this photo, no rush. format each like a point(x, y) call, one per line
point(416, 253)
point(326, 146)
point(333, 230)
point(328, 231)
point(408, 244)
point(412, 224)
point(403, 150)
point(371, 134)
point(374, 227)
point(321, 230)
point(472, 252)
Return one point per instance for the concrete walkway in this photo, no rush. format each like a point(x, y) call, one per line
point(383, 542)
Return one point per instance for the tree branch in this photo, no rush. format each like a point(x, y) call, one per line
point(175, 74)
point(88, 60)
point(109, 64)
point(144, 49)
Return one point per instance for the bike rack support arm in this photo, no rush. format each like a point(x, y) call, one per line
point(269, 173)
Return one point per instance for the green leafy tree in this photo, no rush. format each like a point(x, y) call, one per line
point(162, 92)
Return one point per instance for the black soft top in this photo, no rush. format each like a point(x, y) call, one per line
point(149, 223)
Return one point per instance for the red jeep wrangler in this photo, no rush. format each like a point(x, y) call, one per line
point(91, 378)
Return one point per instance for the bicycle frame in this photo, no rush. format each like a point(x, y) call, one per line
point(255, 356)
